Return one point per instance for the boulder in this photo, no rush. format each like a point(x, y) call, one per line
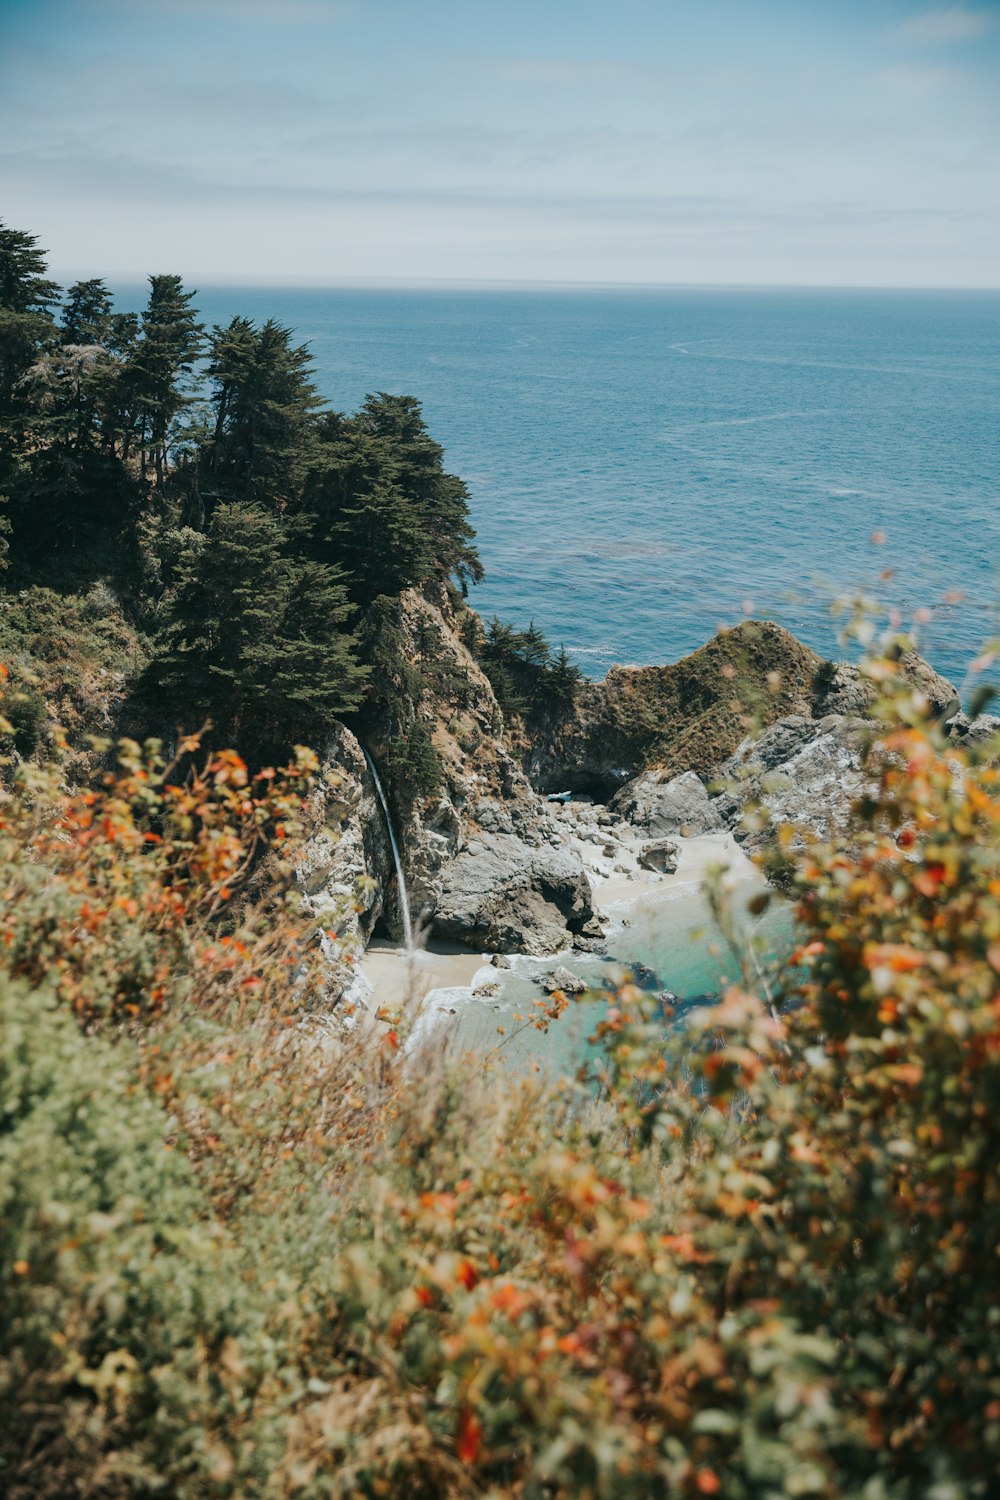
point(844, 689)
point(504, 893)
point(799, 773)
point(661, 854)
point(660, 806)
point(563, 979)
point(978, 731)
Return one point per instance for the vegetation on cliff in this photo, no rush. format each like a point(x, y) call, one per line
point(243, 1254)
point(185, 491)
point(246, 1251)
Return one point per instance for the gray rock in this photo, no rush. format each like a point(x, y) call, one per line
point(978, 731)
point(846, 690)
point(799, 773)
point(662, 855)
point(657, 806)
point(500, 961)
point(563, 979)
point(505, 894)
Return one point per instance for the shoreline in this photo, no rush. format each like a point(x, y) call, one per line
point(393, 975)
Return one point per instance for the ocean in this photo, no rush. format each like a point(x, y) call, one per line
point(646, 466)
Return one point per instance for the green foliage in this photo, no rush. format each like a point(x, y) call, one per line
point(26, 325)
point(439, 500)
point(252, 1259)
point(121, 462)
point(161, 361)
point(413, 765)
point(74, 653)
point(255, 638)
point(527, 679)
point(263, 438)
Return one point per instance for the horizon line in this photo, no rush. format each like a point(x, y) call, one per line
point(482, 284)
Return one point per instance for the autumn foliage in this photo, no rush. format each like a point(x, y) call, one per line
point(246, 1250)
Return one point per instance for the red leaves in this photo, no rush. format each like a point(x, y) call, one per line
point(929, 880)
point(466, 1274)
point(469, 1443)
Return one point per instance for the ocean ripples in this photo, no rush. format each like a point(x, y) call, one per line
point(642, 463)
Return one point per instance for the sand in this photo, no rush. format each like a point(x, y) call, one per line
point(443, 966)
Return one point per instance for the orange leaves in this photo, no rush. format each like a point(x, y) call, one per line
point(908, 1074)
point(443, 1204)
point(469, 1441)
point(684, 1248)
point(125, 904)
point(897, 958)
point(929, 880)
point(228, 768)
point(466, 1274)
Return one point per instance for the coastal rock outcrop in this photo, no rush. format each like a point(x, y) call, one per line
point(344, 867)
point(500, 892)
point(686, 716)
point(487, 864)
point(661, 804)
point(751, 732)
point(982, 730)
point(804, 774)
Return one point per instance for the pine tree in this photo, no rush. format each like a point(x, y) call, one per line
point(564, 679)
point(439, 500)
point(264, 437)
point(26, 330)
point(171, 342)
point(254, 638)
point(87, 315)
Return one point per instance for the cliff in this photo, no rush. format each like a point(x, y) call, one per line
point(750, 730)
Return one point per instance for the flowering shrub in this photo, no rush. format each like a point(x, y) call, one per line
point(244, 1254)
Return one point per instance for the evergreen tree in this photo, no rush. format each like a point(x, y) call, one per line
point(439, 500)
point(87, 315)
point(533, 648)
point(254, 638)
point(264, 434)
point(171, 342)
point(26, 329)
point(564, 680)
point(379, 541)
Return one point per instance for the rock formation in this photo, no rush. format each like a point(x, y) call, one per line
point(752, 731)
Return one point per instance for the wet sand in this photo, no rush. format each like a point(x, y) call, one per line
point(440, 966)
point(697, 858)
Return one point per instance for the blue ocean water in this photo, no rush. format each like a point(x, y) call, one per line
point(646, 466)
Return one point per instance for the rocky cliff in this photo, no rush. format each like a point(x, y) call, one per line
point(752, 720)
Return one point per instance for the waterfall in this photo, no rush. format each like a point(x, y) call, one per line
point(404, 900)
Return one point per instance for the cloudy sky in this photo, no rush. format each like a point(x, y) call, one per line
point(825, 142)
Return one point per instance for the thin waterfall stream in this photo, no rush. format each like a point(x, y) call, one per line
point(404, 900)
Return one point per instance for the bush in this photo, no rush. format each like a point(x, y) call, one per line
point(363, 1268)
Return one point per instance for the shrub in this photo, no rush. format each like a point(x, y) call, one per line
point(363, 1268)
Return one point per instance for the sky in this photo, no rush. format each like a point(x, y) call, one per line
point(774, 142)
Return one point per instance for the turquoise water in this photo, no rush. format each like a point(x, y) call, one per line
point(675, 941)
point(643, 462)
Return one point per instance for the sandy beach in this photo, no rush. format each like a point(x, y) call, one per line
point(443, 966)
